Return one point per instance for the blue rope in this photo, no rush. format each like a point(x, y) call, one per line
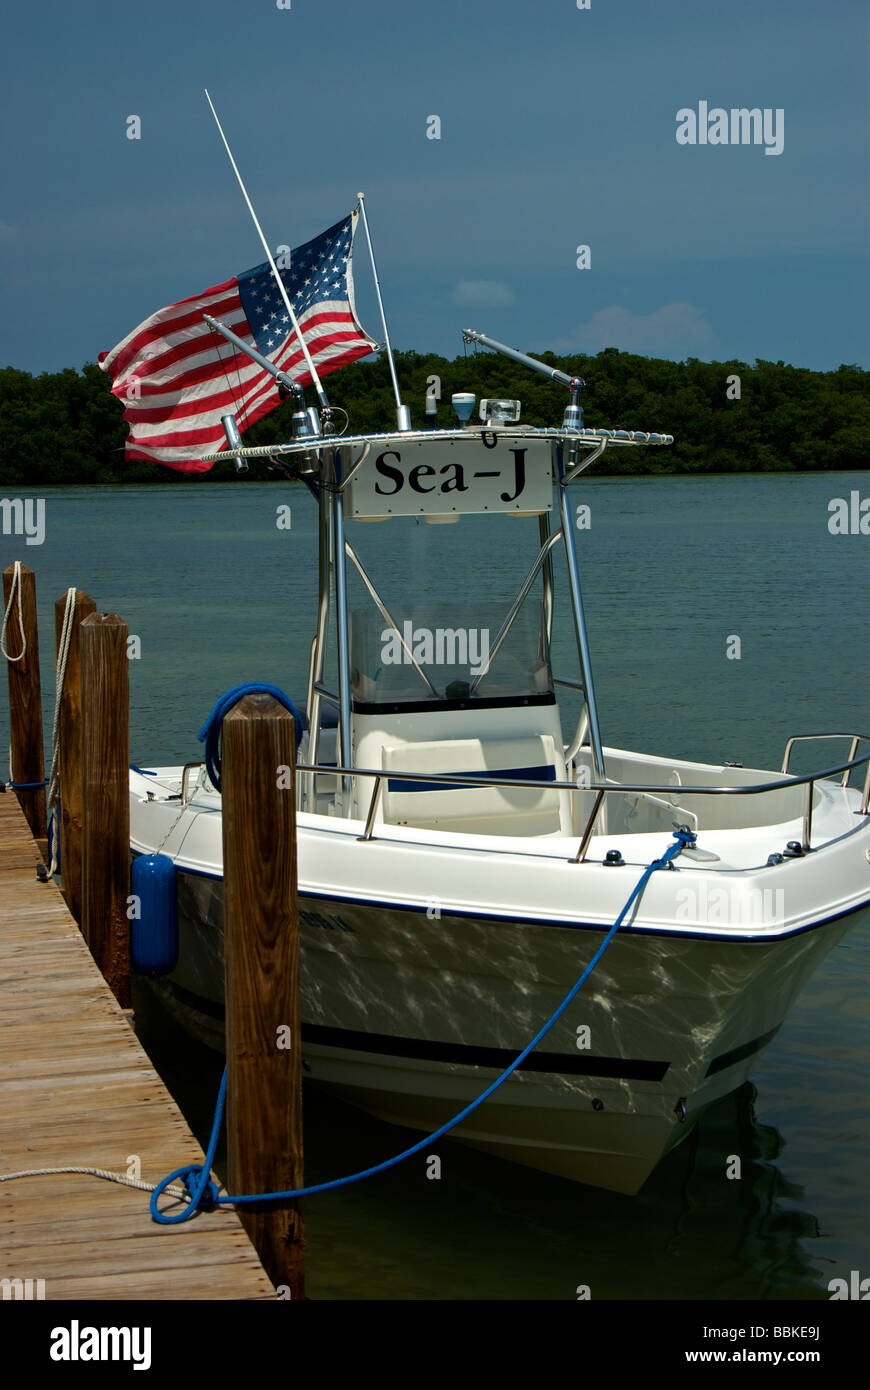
point(22, 786)
point(210, 732)
point(195, 1177)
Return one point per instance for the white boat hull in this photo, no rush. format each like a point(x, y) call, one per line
point(411, 1009)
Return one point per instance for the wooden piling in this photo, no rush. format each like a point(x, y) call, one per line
point(261, 948)
point(105, 797)
point(69, 728)
point(25, 699)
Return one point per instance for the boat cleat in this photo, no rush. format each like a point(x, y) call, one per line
point(794, 850)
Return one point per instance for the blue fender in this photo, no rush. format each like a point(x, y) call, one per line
point(154, 932)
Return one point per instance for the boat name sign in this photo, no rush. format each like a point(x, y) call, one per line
point(489, 471)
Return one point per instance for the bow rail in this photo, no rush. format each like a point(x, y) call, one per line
point(602, 789)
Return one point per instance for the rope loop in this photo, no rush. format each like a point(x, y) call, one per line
point(200, 1196)
point(14, 588)
point(210, 733)
point(202, 1193)
point(52, 802)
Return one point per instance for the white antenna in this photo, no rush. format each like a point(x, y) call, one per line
point(280, 283)
point(403, 414)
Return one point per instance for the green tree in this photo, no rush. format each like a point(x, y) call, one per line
point(67, 427)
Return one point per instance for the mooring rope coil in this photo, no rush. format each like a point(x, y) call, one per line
point(210, 732)
point(203, 1192)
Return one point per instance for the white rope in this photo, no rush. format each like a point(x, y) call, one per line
point(16, 584)
point(63, 647)
point(95, 1173)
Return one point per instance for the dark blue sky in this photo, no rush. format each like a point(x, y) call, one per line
point(558, 129)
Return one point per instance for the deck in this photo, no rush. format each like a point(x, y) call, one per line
point(76, 1088)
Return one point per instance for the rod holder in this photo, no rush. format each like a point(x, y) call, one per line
point(234, 440)
point(573, 418)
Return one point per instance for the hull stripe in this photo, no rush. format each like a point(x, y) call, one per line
point(462, 1054)
point(467, 1055)
point(739, 1054)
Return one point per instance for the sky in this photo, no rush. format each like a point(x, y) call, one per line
point(557, 130)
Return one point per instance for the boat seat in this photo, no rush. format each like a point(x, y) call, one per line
point(478, 810)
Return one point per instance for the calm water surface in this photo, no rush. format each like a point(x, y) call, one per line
point(672, 568)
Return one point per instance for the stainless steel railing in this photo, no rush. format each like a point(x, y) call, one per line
point(621, 788)
point(804, 738)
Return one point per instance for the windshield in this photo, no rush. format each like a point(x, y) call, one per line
point(441, 651)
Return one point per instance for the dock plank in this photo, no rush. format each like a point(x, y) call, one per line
point(76, 1088)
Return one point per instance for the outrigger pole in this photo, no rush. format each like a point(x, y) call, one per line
point(315, 379)
point(281, 377)
point(573, 414)
point(403, 414)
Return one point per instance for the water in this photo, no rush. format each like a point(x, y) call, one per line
point(673, 568)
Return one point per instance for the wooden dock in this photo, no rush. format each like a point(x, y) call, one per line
point(76, 1089)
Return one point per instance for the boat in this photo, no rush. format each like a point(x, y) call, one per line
point(466, 840)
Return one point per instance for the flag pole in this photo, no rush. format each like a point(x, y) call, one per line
point(403, 414)
point(315, 379)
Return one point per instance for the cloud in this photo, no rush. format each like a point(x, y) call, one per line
point(482, 294)
point(675, 330)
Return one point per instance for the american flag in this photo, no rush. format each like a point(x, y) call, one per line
point(177, 377)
